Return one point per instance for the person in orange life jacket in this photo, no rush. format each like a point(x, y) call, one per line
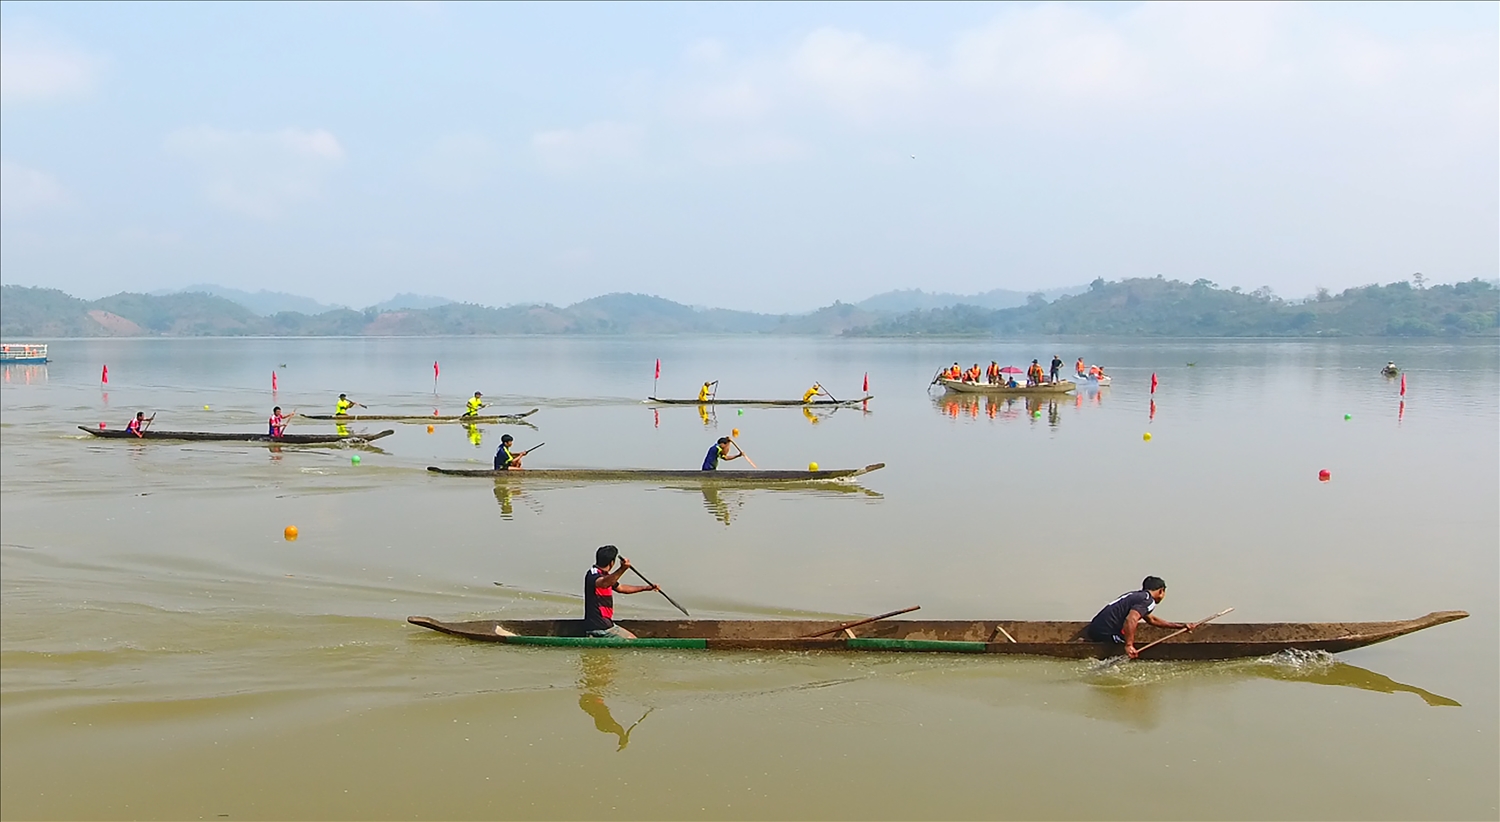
point(600, 584)
point(1117, 621)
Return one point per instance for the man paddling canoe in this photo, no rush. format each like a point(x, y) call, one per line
point(706, 392)
point(341, 408)
point(720, 451)
point(600, 584)
point(1117, 621)
point(139, 425)
point(810, 394)
point(277, 423)
point(475, 404)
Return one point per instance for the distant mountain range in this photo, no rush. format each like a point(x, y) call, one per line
point(1136, 307)
point(915, 299)
point(265, 303)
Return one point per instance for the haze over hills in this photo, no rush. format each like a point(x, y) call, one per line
point(915, 299)
point(265, 303)
point(1134, 307)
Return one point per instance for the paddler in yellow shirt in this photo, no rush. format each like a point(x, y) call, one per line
point(812, 393)
point(706, 392)
point(475, 403)
point(341, 408)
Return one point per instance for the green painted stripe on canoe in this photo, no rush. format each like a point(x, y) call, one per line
point(948, 646)
point(605, 642)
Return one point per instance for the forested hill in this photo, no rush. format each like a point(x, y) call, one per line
point(1170, 308)
point(1142, 307)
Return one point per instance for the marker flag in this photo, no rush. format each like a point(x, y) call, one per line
point(273, 380)
point(104, 378)
point(658, 368)
point(1403, 385)
point(1153, 382)
point(434, 369)
point(867, 382)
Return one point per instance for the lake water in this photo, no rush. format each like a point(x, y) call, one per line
point(167, 654)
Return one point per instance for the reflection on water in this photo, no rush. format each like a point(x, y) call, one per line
point(596, 675)
point(28, 374)
point(506, 494)
point(724, 504)
point(972, 406)
point(718, 507)
point(476, 436)
point(1134, 695)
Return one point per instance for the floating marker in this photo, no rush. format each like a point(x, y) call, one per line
point(101, 426)
point(1146, 436)
point(734, 433)
point(1348, 417)
point(290, 533)
point(354, 459)
point(205, 408)
point(812, 466)
point(429, 429)
point(1325, 475)
point(741, 412)
point(1036, 415)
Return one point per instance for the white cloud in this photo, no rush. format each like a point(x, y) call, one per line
point(856, 74)
point(750, 149)
point(27, 191)
point(259, 174)
point(459, 162)
point(596, 144)
point(33, 68)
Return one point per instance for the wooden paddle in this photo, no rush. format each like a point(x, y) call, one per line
point(660, 591)
point(743, 454)
point(149, 420)
point(1142, 649)
point(846, 626)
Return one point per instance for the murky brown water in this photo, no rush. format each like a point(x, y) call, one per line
point(166, 654)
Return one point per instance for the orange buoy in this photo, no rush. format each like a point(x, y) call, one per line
point(290, 533)
point(429, 429)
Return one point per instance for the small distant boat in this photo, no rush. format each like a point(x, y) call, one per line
point(1053, 639)
point(23, 354)
point(1390, 371)
point(795, 403)
point(420, 418)
point(665, 475)
point(1098, 382)
point(215, 436)
point(960, 387)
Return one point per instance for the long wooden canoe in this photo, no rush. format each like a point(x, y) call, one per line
point(959, 387)
point(794, 403)
point(419, 418)
point(1216, 640)
point(654, 475)
point(215, 436)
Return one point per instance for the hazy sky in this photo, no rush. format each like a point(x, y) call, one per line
point(769, 157)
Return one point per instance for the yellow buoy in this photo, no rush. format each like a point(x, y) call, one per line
point(812, 466)
point(1146, 436)
point(205, 408)
point(290, 533)
point(429, 429)
point(734, 433)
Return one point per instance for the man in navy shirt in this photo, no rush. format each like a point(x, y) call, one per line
point(600, 584)
point(1117, 621)
point(720, 451)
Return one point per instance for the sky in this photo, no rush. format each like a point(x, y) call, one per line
point(762, 157)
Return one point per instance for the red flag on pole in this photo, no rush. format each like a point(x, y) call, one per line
point(434, 369)
point(1153, 382)
point(273, 380)
point(104, 378)
point(867, 382)
point(1403, 385)
point(658, 368)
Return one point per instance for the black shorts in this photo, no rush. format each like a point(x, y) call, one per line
point(1111, 638)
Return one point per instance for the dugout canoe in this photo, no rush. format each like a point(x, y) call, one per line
point(215, 436)
point(960, 387)
point(418, 418)
point(1055, 639)
point(655, 475)
point(793, 403)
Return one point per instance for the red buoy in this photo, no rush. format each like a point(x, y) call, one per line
point(1325, 475)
